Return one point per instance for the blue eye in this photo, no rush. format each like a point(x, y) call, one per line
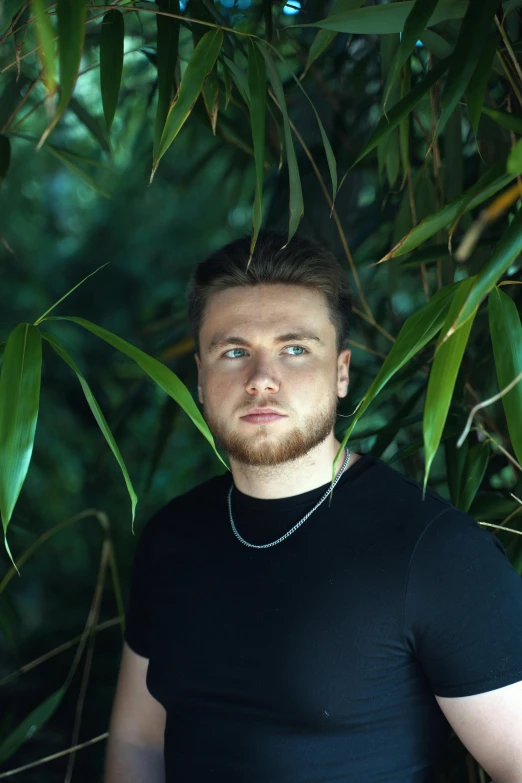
point(299, 348)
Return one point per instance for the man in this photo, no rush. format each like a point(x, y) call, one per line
point(279, 634)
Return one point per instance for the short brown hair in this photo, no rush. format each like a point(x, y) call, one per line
point(301, 262)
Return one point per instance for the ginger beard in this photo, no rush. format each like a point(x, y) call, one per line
point(264, 446)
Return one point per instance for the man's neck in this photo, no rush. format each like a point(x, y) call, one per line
point(288, 479)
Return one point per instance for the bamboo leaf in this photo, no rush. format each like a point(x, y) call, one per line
point(296, 193)
point(159, 373)
point(508, 121)
point(167, 58)
point(90, 122)
point(45, 41)
point(71, 30)
point(506, 337)
point(320, 44)
point(436, 43)
point(19, 401)
point(478, 84)
point(211, 98)
point(416, 21)
point(257, 88)
point(98, 415)
point(417, 331)
point(70, 162)
point(489, 184)
point(34, 721)
point(197, 70)
point(473, 472)
point(401, 109)
point(472, 40)
point(502, 257)
point(387, 18)
point(111, 62)
point(443, 374)
point(5, 157)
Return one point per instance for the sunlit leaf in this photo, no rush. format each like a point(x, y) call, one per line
point(71, 30)
point(417, 331)
point(386, 18)
point(29, 725)
point(257, 88)
point(473, 472)
point(502, 257)
point(415, 23)
point(159, 373)
point(443, 374)
point(5, 157)
point(198, 68)
point(167, 58)
point(19, 402)
point(473, 38)
point(506, 337)
point(296, 193)
point(98, 415)
point(46, 44)
point(476, 89)
point(111, 62)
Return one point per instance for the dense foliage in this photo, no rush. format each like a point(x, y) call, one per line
point(136, 137)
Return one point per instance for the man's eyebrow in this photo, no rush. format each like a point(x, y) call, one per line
point(222, 340)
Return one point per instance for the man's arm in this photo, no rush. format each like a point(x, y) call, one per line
point(137, 726)
point(490, 726)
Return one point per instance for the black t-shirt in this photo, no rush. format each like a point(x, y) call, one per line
point(317, 660)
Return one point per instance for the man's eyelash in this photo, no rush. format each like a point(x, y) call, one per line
point(224, 355)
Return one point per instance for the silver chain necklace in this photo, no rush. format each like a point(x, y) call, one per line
point(264, 546)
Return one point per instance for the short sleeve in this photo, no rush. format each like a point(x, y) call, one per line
point(463, 608)
point(137, 616)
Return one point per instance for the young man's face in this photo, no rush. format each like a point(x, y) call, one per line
point(242, 366)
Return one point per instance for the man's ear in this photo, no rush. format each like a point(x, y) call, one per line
point(343, 372)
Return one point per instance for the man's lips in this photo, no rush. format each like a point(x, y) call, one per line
point(262, 418)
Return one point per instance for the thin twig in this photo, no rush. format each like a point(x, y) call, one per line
point(10, 772)
point(483, 405)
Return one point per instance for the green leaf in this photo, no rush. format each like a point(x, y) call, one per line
point(257, 88)
point(506, 337)
point(514, 161)
point(415, 23)
point(19, 401)
point(330, 157)
point(473, 39)
point(320, 44)
point(199, 66)
point(436, 43)
point(401, 109)
point(508, 121)
point(296, 193)
point(45, 41)
point(211, 98)
point(443, 374)
point(502, 257)
point(473, 472)
point(111, 62)
point(8, 11)
point(34, 721)
point(159, 373)
point(69, 160)
point(5, 157)
point(98, 415)
point(387, 18)
point(91, 123)
point(417, 331)
point(71, 30)
point(478, 84)
point(167, 51)
point(489, 184)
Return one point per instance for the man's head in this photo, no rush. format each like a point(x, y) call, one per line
point(238, 318)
